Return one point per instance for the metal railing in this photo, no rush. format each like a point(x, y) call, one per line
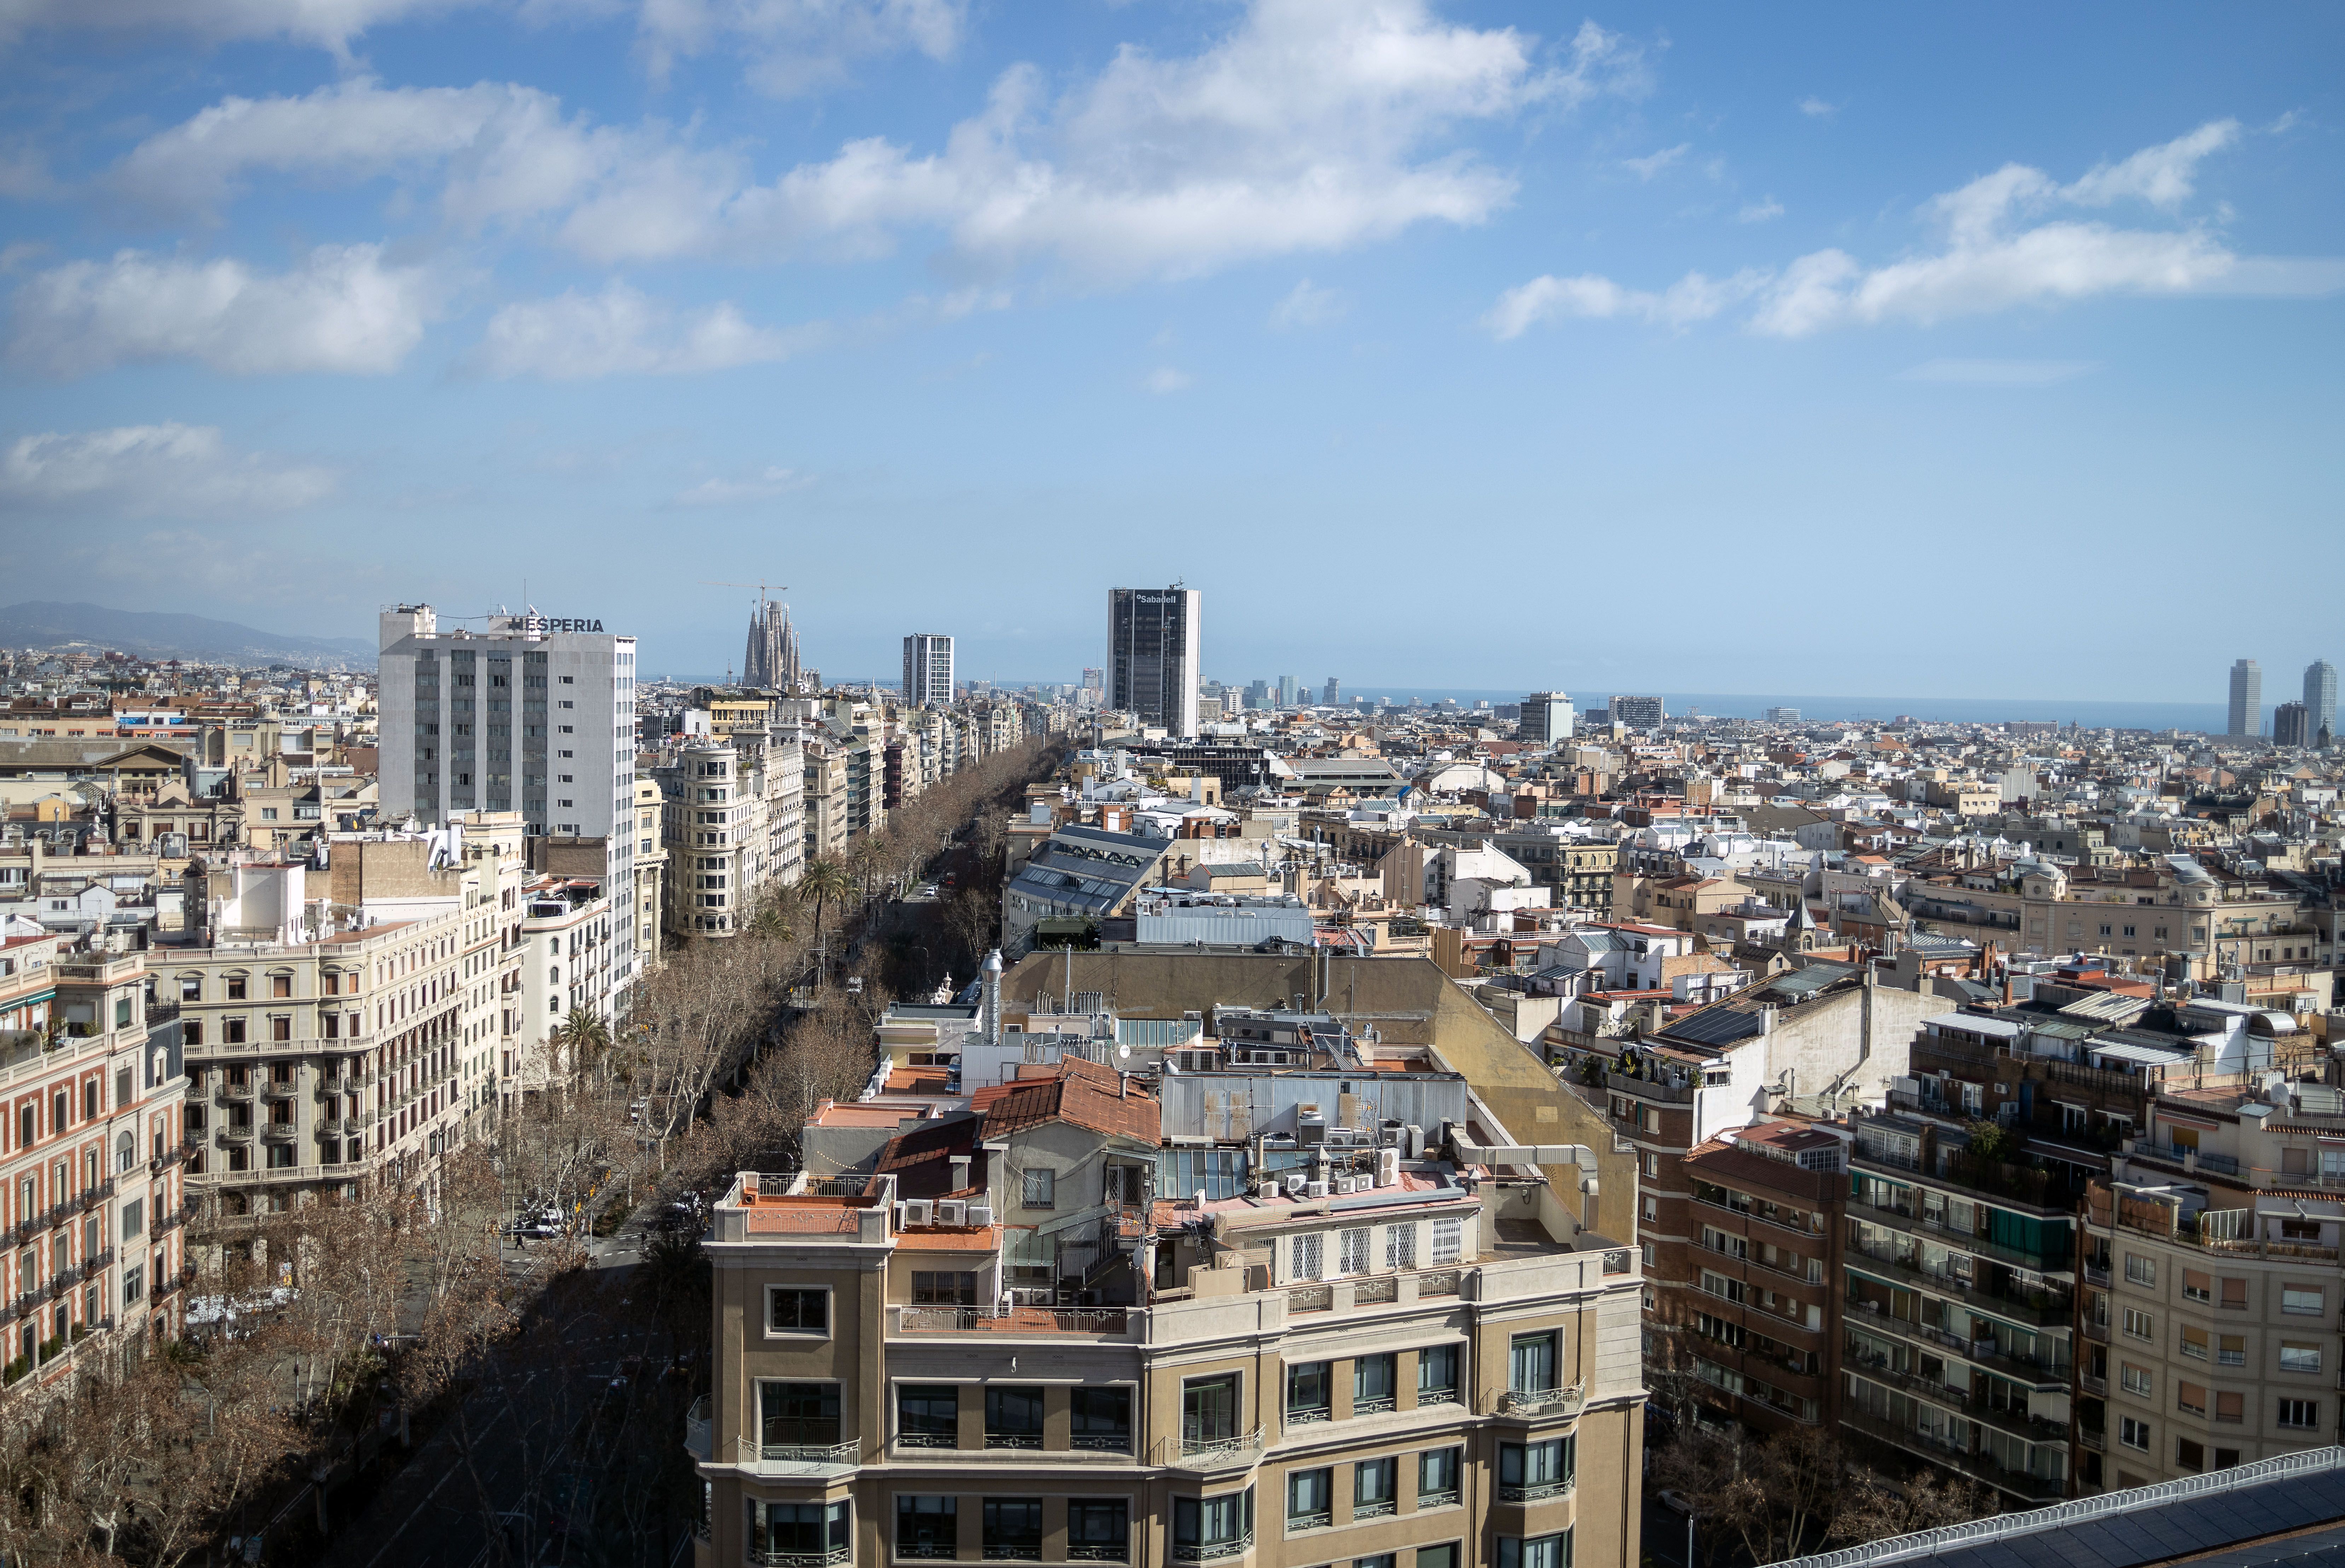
point(1307, 1415)
point(1321, 1520)
point(1438, 1282)
point(1537, 1491)
point(1310, 1297)
point(1095, 1553)
point(836, 1555)
point(1028, 1440)
point(847, 1452)
point(1443, 1498)
point(1196, 1453)
point(1214, 1550)
point(1015, 1319)
point(1541, 1402)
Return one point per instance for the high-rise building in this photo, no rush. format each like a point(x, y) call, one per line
point(1546, 719)
point(1783, 716)
point(1095, 680)
point(1334, 694)
point(772, 658)
point(1289, 691)
point(928, 671)
point(2247, 715)
point(2320, 701)
point(535, 715)
point(1636, 712)
point(2291, 724)
point(1153, 646)
point(1257, 693)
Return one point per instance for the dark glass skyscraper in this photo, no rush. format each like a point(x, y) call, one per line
point(1153, 665)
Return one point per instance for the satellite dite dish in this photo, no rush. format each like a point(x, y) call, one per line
point(1123, 1052)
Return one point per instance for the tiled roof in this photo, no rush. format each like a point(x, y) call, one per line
point(1085, 1094)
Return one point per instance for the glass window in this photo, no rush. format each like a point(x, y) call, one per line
point(2135, 1380)
point(1437, 1476)
point(1381, 1559)
point(1540, 1551)
point(1209, 1411)
point(1199, 1524)
point(2235, 1292)
point(927, 1527)
point(1373, 1377)
point(1436, 1374)
point(1400, 1246)
point(1014, 1418)
point(2294, 1356)
point(1535, 1469)
point(2133, 1433)
point(2304, 1413)
point(1376, 1487)
point(2198, 1286)
point(1352, 1254)
point(1013, 1528)
point(927, 1415)
point(2194, 1343)
point(1448, 1240)
point(1530, 1368)
point(789, 1311)
point(1308, 1384)
point(2139, 1324)
point(2302, 1300)
point(1099, 1532)
point(944, 1290)
point(813, 1530)
point(1100, 1419)
point(1310, 1499)
point(798, 1415)
point(2140, 1270)
point(1305, 1254)
point(1040, 1189)
point(1442, 1556)
point(2230, 1349)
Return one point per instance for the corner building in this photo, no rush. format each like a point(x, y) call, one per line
point(1435, 1372)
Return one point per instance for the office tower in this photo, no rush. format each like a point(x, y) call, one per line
point(1546, 719)
point(534, 714)
point(1095, 680)
point(928, 671)
point(2320, 701)
point(1257, 693)
point(1334, 694)
point(1784, 715)
point(2247, 698)
point(2291, 724)
point(1153, 645)
point(1636, 712)
point(772, 659)
point(1289, 693)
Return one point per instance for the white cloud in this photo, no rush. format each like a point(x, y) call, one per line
point(620, 332)
point(1998, 373)
point(1761, 211)
point(1306, 305)
point(328, 23)
point(1310, 125)
point(1991, 255)
point(142, 469)
point(763, 485)
point(1652, 163)
point(1816, 109)
point(341, 310)
point(1164, 379)
point(794, 46)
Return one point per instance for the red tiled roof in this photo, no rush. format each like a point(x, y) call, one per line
point(1085, 1094)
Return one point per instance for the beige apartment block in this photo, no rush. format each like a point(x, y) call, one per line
point(650, 874)
point(1427, 1374)
point(733, 822)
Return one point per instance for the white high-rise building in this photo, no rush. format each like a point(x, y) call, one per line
point(1153, 655)
point(534, 714)
point(1547, 718)
point(2320, 700)
point(2247, 715)
point(928, 671)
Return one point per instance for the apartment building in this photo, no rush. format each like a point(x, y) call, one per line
point(824, 802)
point(651, 875)
point(91, 1195)
point(928, 671)
point(1419, 1373)
point(568, 963)
point(733, 822)
point(2213, 1291)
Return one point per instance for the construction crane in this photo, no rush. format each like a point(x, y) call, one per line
point(763, 589)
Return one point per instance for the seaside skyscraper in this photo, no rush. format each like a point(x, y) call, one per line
point(2247, 698)
point(2320, 700)
point(928, 671)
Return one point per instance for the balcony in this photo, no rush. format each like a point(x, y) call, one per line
point(1214, 1550)
point(2046, 1307)
point(847, 1452)
point(1535, 1403)
point(1216, 1453)
point(1094, 1322)
point(239, 1133)
point(2094, 1439)
point(1650, 1089)
point(1938, 1451)
point(801, 1559)
point(1903, 1218)
point(1445, 1498)
point(279, 1132)
point(233, 1094)
point(1987, 1353)
point(1538, 1491)
point(274, 1090)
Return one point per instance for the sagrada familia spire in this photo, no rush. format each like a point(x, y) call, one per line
point(772, 661)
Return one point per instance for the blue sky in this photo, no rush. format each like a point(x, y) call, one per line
point(1682, 348)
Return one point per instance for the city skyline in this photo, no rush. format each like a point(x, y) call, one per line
point(1791, 294)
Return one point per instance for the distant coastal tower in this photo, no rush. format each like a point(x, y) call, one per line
point(2320, 701)
point(772, 660)
point(2247, 698)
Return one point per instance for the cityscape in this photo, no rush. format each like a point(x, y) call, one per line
point(1276, 951)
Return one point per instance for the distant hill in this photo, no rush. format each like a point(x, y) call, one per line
point(45, 624)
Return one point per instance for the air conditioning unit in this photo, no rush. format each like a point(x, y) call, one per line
point(952, 1211)
point(1315, 1189)
point(981, 1213)
point(1296, 1183)
point(1358, 1184)
point(918, 1211)
point(1269, 1188)
point(1388, 1167)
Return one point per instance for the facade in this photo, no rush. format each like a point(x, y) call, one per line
point(91, 1160)
point(566, 936)
point(1547, 718)
point(2320, 701)
point(651, 875)
point(824, 795)
point(1636, 712)
point(2291, 724)
point(535, 716)
point(2247, 712)
point(1154, 652)
point(928, 671)
point(733, 822)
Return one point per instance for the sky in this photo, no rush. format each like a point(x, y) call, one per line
point(1970, 351)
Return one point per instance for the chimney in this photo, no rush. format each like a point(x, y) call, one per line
point(989, 977)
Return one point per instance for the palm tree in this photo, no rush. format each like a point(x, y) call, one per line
point(585, 1035)
point(771, 921)
point(826, 881)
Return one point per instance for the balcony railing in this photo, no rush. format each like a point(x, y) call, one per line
point(1436, 1282)
point(1310, 1297)
point(1318, 1520)
point(1091, 1554)
point(847, 1452)
point(1214, 1550)
point(1013, 1439)
point(1427, 1397)
point(697, 1430)
point(1535, 1492)
point(1196, 1453)
point(1446, 1498)
point(1014, 1320)
point(1376, 1406)
point(1987, 1353)
point(801, 1559)
point(1542, 1401)
point(1376, 1509)
point(2048, 1308)
point(1307, 1415)
point(1100, 1442)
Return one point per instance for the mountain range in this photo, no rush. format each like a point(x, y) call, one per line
point(48, 624)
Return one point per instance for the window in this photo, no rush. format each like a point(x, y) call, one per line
point(1099, 1532)
point(2140, 1270)
point(1373, 1377)
point(191, 988)
point(1211, 1527)
point(2230, 1349)
point(2229, 1407)
point(2191, 1398)
point(1352, 1251)
point(2198, 1286)
point(235, 988)
point(2304, 1414)
point(1400, 1246)
point(941, 1289)
point(1305, 1257)
point(1436, 1375)
point(1039, 1188)
point(814, 1530)
point(1376, 1487)
point(2295, 1355)
point(2139, 1324)
point(927, 1415)
point(2134, 1433)
point(1527, 1472)
point(1014, 1418)
point(2302, 1300)
point(2194, 1343)
point(1101, 1419)
point(925, 1527)
point(790, 1311)
point(1437, 1471)
point(1530, 1365)
point(796, 1416)
point(1310, 1499)
point(1307, 1393)
point(1013, 1528)
point(1538, 1551)
point(1448, 1241)
point(1443, 1556)
point(2134, 1379)
point(1381, 1559)
point(2189, 1454)
point(1209, 1412)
